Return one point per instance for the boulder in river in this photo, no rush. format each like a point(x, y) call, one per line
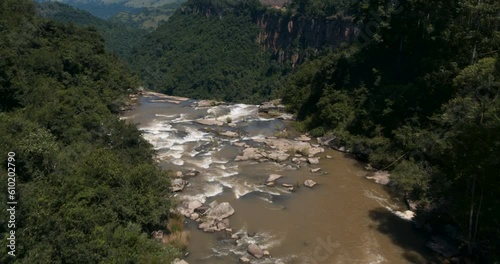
point(380, 177)
point(315, 170)
point(249, 154)
point(274, 177)
point(230, 134)
point(220, 211)
point(255, 251)
point(192, 173)
point(210, 122)
point(188, 208)
point(309, 183)
point(313, 160)
point(244, 260)
point(180, 261)
point(333, 142)
point(278, 156)
point(207, 103)
point(315, 150)
point(303, 138)
point(178, 184)
point(194, 216)
point(285, 145)
point(239, 144)
point(206, 224)
point(179, 174)
point(193, 205)
point(272, 106)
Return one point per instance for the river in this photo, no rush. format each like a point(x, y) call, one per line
point(345, 218)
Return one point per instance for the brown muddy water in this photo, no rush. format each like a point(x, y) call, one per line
point(344, 219)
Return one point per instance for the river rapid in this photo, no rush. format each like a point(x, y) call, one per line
point(345, 218)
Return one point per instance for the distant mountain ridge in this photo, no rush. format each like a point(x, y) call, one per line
point(149, 18)
point(108, 8)
point(119, 37)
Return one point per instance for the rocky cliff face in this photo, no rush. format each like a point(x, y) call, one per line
point(293, 38)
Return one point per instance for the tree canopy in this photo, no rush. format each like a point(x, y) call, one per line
point(419, 96)
point(88, 189)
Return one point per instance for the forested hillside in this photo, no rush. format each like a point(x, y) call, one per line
point(120, 37)
point(106, 9)
point(87, 188)
point(419, 95)
point(102, 9)
point(208, 56)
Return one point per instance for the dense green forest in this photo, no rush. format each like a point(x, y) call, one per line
point(149, 18)
point(104, 9)
point(320, 8)
point(87, 187)
point(120, 37)
point(419, 95)
point(214, 56)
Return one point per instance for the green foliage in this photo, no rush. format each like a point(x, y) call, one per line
point(149, 18)
point(420, 96)
point(411, 176)
point(320, 8)
point(207, 56)
point(120, 36)
point(88, 188)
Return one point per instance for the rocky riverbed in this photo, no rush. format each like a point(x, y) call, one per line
point(253, 192)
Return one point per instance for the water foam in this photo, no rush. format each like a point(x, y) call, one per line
point(239, 112)
point(167, 116)
point(203, 163)
point(208, 190)
point(241, 190)
point(182, 119)
point(178, 162)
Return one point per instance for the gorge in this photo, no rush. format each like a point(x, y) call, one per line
point(273, 131)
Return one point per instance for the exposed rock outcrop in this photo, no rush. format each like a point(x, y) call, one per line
point(178, 184)
point(230, 134)
point(279, 32)
point(309, 183)
point(272, 106)
point(244, 260)
point(215, 217)
point(360, 150)
point(274, 177)
point(315, 170)
point(209, 122)
point(255, 251)
point(220, 211)
point(313, 160)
